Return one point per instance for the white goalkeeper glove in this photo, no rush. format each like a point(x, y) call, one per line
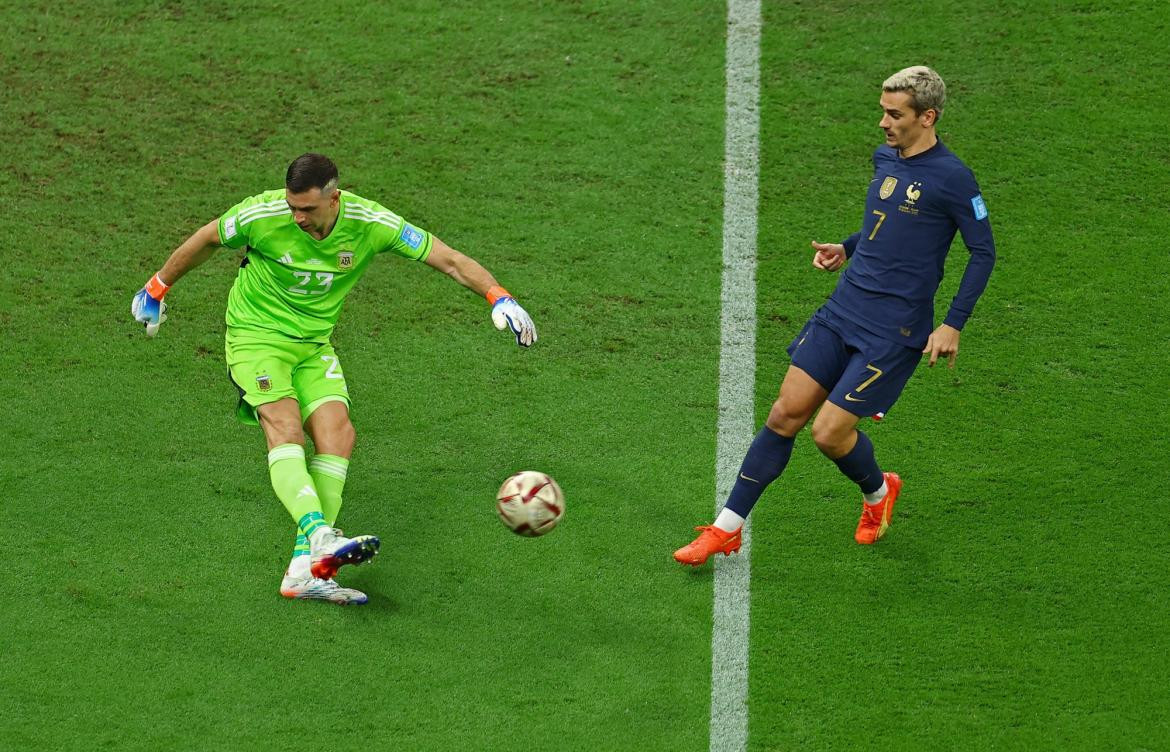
point(507, 313)
point(148, 306)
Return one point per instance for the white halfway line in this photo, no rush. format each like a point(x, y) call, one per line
point(737, 370)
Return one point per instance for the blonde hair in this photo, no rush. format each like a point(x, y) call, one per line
point(926, 88)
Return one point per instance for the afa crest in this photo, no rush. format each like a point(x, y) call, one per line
point(888, 186)
point(345, 261)
point(264, 383)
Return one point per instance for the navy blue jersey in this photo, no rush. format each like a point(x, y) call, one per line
point(912, 210)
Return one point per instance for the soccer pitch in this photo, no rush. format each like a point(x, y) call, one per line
point(577, 149)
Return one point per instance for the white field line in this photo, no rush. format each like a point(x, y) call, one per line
point(737, 371)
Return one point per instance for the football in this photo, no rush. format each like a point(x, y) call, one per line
point(530, 503)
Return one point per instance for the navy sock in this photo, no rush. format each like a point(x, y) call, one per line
point(763, 463)
point(860, 466)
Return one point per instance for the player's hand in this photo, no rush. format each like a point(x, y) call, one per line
point(942, 341)
point(506, 312)
point(148, 306)
point(828, 256)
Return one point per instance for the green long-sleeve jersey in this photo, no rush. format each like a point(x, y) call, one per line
point(295, 285)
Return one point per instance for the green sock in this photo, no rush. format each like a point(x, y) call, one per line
point(294, 486)
point(328, 472)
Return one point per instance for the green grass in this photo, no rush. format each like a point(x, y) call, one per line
point(575, 148)
point(1016, 603)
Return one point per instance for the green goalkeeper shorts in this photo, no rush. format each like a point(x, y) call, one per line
point(266, 368)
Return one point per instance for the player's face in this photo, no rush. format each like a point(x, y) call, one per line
point(313, 211)
point(905, 129)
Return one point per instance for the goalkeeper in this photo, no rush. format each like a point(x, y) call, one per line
point(305, 246)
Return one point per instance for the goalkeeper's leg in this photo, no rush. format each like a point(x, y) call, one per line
point(328, 551)
point(319, 550)
point(333, 436)
point(328, 473)
point(286, 465)
point(295, 489)
point(327, 420)
point(290, 477)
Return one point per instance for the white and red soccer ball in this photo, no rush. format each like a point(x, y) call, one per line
point(530, 503)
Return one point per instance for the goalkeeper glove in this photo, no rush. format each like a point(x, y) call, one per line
point(148, 306)
point(506, 312)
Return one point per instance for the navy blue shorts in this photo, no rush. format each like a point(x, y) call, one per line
point(862, 372)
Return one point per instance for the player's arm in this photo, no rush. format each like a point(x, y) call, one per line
point(460, 267)
point(506, 312)
point(832, 256)
point(193, 252)
point(849, 244)
point(970, 214)
point(148, 306)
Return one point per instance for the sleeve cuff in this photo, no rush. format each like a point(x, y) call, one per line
point(156, 288)
point(494, 293)
point(955, 320)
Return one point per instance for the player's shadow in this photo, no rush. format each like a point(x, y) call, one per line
point(381, 603)
point(381, 597)
point(703, 574)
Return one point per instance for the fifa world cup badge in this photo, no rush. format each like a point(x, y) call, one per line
point(345, 261)
point(264, 383)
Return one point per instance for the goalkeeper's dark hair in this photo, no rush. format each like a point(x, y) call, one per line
point(311, 171)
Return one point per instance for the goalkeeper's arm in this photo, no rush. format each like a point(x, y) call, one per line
point(193, 252)
point(506, 312)
point(147, 306)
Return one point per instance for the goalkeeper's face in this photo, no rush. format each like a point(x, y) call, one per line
point(314, 211)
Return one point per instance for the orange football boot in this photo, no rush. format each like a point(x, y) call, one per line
point(711, 541)
point(875, 518)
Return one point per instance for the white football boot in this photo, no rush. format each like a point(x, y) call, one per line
point(331, 551)
point(316, 589)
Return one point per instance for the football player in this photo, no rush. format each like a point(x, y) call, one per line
point(305, 247)
point(853, 357)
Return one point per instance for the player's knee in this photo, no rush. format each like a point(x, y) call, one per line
point(338, 438)
point(289, 433)
point(785, 420)
point(281, 428)
point(347, 434)
point(831, 439)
